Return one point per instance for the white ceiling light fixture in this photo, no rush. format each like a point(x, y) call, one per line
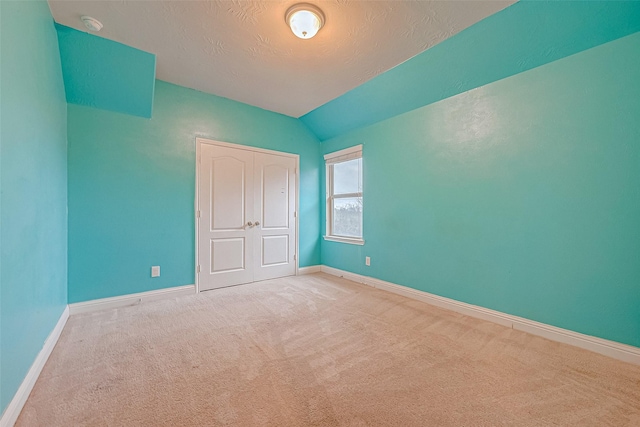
point(91, 23)
point(304, 19)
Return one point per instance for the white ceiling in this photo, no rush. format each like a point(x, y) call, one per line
point(243, 50)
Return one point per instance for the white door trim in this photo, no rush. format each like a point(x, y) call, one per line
point(199, 142)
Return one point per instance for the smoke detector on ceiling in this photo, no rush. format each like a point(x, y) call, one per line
point(92, 24)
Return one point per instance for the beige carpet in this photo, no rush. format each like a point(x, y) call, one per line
point(319, 351)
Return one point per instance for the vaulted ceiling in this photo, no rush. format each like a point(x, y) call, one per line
point(243, 49)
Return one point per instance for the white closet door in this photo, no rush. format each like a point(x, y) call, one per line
point(274, 201)
point(225, 244)
point(247, 226)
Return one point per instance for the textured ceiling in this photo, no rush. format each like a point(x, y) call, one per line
point(244, 51)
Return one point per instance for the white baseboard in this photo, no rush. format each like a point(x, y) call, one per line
point(10, 415)
point(613, 349)
point(309, 270)
point(130, 299)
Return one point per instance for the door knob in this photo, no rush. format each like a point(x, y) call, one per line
point(250, 224)
point(257, 223)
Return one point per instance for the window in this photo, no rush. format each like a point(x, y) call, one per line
point(344, 195)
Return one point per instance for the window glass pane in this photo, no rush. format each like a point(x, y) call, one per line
point(347, 177)
point(347, 217)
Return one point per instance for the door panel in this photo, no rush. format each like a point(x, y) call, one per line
point(275, 190)
point(225, 197)
point(227, 254)
point(275, 250)
point(228, 180)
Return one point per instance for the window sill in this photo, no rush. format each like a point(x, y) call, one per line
point(351, 241)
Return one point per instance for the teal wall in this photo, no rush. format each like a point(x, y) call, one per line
point(105, 74)
point(521, 37)
point(33, 189)
point(132, 185)
point(521, 196)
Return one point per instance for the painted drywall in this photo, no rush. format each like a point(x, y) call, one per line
point(521, 37)
point(33, 189)
point(105, 74)
point(521, 196)
point(132, 185)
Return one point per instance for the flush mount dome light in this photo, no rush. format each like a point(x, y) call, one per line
point(304, 19)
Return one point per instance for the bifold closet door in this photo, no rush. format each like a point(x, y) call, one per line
point(274, 205)
point(225, 242)
point(246, 204)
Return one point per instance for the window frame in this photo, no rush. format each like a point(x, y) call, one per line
point(331, 159)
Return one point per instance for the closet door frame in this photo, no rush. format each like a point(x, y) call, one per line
point(199, 142)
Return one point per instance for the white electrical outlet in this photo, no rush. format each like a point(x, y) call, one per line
point(367, 260)
point(155, 271)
